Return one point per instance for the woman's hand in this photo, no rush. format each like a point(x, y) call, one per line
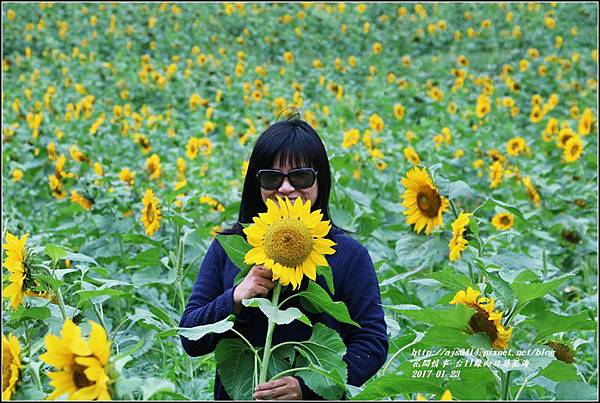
point(286, 388)
point(256, 283)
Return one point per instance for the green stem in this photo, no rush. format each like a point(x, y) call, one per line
point(505, 385)
point(286, 300)
point(100, 316)
point(180, 293)
point(454, 210)
point(385, 368)
point(61, 303)
point(271, 327)
point(521, 388)
point(287, 371)
point(247, 342)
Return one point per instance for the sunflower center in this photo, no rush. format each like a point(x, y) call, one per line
point(150, 213)
point(574, 149)
point(6, 368)
point(480, 323)
point(504, 220)
point(79, 378)
point(288, 242)
point(429, 201)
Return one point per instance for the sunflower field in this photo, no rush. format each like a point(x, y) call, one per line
point(462, 140)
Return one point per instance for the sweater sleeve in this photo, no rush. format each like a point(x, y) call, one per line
point(367, 346)
point(209, 302)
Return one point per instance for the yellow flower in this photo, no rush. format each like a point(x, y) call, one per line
point(458, 243)
point(503, 221)
point(376, 122)
point(515, 146)
point(424, 205)
point(531, 191)
point(15, 263)
point(495, 174)
point(411, 155)
point(288, 57)
point(150, 213)
point(376, 48)
point(586, 122)
point(78, 155)
point(153, 166)
point(17, 175)
point(289, 240)
point(573, 149)
point(485, 319)
point(127, 176)
point(11, 364)
point(82, 365)
point(436, 94)
point(399, 111)
point(212, 202)
point(350, 138)
point(97, 123)
point(483, 106)
point(82, 201)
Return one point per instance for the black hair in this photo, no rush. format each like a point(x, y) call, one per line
point(295, 143)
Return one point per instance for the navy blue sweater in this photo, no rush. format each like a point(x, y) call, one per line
point(355, 283)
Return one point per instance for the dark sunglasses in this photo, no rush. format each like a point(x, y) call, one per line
point(301, 178)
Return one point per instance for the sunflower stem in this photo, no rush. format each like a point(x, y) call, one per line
point(271, 327)
point(454, 210)
point(100, 315)
point(522, 387)
point(505, 385)
point(61, 303)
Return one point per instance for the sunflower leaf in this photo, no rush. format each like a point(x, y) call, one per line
point(392, 385)
point(197, 332)
point(322, 302)
point(236, 247)
point(235, 363)
point(327, 274)
point(281, 317)
point(530, 290)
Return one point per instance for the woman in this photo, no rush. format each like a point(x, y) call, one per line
point(289, 160)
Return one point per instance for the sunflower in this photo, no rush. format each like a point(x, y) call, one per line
point(81, 364)
point(503, 221)
point(153, 166)
point(424, 204)
point(81, 200)
point(458, 243)
point(531, 191)
point(495, 174)
point(411, 155)
point(289, 240)
point(515, 146)
point(15, 262)
point(11, 363)
point(150, 212)
point(573, 149)
point(485, 319)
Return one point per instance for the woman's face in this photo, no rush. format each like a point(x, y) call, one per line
point(286, 189)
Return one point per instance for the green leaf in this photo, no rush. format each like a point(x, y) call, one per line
point(321, 301)
point(152, 386)
point(39, 313)
point(148, 257)
point(572, 391)
point(418, 251)
point(140, 239)
point(323, 353)
point(197, 332)
point(236, 248)
point(474, 384)
point(54, 283)
point(79, 257)
point(452, 190)
point(276, 315)
point(455, 317)
point(527, 291)
point(438, 336)
point(548, 323)
point(452, 279)
point(153, 275)
point(55, 252)
point(235, 363)
point(125, 386)
point(85, 295)
point(474, 226)
point(327, 274)
point(281, 360)
point(392, 385)
point(559, 371)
